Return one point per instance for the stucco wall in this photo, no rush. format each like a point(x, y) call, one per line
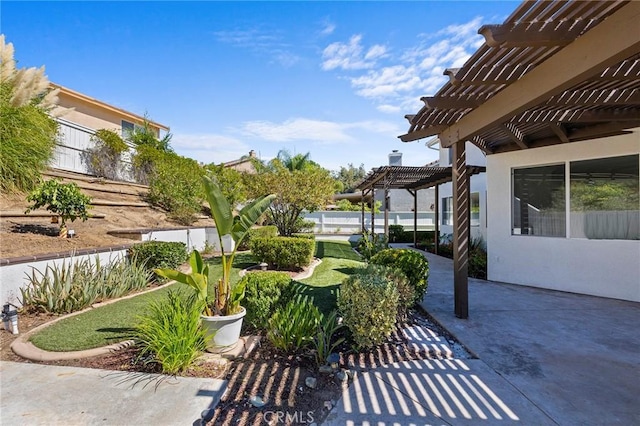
point(609, 268)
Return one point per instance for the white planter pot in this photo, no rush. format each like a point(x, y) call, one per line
point(225, 331)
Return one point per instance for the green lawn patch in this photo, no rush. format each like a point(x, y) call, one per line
point(114, 323)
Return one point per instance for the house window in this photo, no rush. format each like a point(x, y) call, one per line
point(447, 211)
point(538, 202)
point(604, 198)
point(127, 129)
point(475, 209)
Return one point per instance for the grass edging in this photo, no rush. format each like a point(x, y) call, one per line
point(24, 348)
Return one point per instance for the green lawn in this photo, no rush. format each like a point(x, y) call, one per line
point(113, 323)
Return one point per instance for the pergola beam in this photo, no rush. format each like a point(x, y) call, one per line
point(610, 42)
point(533, 34)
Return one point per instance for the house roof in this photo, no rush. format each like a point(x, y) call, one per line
point(552, 73)
point(405, 177)
point(131, 116)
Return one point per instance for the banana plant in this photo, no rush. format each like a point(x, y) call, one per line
point(227, 300)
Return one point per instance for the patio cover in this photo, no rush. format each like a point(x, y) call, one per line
point(554, 72)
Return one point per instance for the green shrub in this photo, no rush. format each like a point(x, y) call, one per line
point(414, 265)
point(264, 292)
point(104, 158)
point(406, 294)
point(283, 253)
point(268, 231)
point(307, 236)
point(293, 326)
point(73, 286)
point(369, 244)
point(27, 131)
point(395, 233)
point(368, 304)
point(175, 182)
point(158, 254)
point(63, 199)
point(171, 333)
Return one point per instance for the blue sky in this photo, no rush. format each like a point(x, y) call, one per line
point(331, 78)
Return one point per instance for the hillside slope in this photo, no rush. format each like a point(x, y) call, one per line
point(117, 205)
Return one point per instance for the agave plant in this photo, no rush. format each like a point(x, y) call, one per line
point(227, 300)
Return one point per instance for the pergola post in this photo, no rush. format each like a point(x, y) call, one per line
point(414, 193)
point(437, 218)
point(461, 220)
point(386, 213)
point(373, 214)
point(362, 207)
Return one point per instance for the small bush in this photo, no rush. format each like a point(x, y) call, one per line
point(368, 304)
point(414, 265)
point(370, 244)
point(395, 233)
point(406, 293)
point(264, 292)
point(268, 231)
point(159, 254)
point(63, 199)
point(175, 182)
point(73, 286)
point(105, 158)
point(307, 236)
point(283, 253)
point(293, 327)
point(171, 333)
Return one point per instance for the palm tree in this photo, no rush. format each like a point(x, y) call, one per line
point(297, 162)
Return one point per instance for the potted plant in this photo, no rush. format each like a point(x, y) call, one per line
point(222, 316)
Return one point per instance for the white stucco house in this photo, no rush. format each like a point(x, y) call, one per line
point(551, 100)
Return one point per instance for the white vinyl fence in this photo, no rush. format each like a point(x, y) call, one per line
point(14, 275)
point(339, 222)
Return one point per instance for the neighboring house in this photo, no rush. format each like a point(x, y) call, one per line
point(478, 194)
point(86, 115)
point(244, 164)
point(553, 99)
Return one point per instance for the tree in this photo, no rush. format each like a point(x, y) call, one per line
point(65, 200)
point(145, 136)
point(28, 132)
point(350, 176)
point(297, 162)
point(230, 181)
point(297, 190)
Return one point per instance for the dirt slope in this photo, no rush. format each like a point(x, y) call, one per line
point(22, 236)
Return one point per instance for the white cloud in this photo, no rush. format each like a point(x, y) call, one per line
point(209, 148)
point(416, 72)
point(319, 131)
point(351, 55)
point(327, 28)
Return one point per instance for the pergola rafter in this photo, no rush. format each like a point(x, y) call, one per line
point(554, 72)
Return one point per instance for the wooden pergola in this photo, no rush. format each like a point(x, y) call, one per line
point(411, 179)
point(554, 72)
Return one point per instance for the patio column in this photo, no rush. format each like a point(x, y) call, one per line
point(373, 215)
point(437, 218)
point(461, 220)
point(362, 207)
point(414, 193)
point(386, 213)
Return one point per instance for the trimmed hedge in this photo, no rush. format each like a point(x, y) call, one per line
point(265, 291)
point(406, 293)
point(368, 303)
point(283, 253)
point(414, 265)
point(159, 254)
point(268, 231)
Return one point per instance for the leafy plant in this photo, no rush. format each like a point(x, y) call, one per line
point(261, 232)
point(265, 291)
point(73, 286)
point(324, 341)
point(27, 128)
point(368, 304)
point(284, 253)
point(226, 300)
point(105, 157)
point(370, 244)
point(63, 199)
point(395, 233)
point(293, 327)
point(414, 265)
point(406, 292)
point(171, 333)
point(158, 254)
